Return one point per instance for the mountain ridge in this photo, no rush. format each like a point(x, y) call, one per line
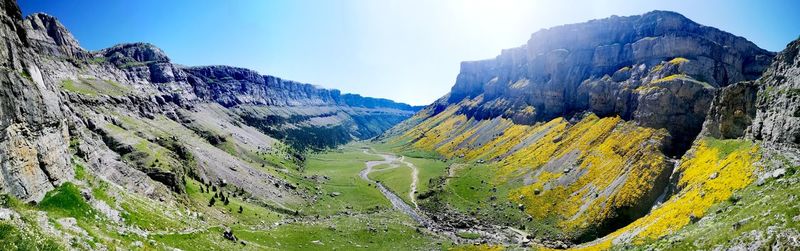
point(588, 124)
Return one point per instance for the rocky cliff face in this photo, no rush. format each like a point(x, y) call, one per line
point(231, 86)
point(765, 109)
point(777, 118)
point(33, 121)
point(47, 35)
point(301, 114)
point(658, 69)
point(132, 117)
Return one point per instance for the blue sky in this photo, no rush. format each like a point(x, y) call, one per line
point(406, 50)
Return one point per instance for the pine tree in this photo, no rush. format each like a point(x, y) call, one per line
point(241, 209)
point(211, 203)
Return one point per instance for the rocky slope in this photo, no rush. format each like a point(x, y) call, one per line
point(734, 187)
point(135, 118)
point(105, 149)
point(584, 127)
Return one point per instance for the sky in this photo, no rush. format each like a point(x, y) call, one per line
point(404, 50)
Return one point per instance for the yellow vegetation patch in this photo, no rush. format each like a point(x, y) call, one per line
point(670, 78)
point(481, 247)
point(678, 60)
point(698, 191)
point(609, 150)
point(616, 161)
point(657, 68)
point(730, 162)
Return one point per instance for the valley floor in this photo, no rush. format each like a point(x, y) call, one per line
point(348, 212)
point(366, 196)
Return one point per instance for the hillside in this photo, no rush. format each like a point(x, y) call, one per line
point(625, 129)
point(106, 149)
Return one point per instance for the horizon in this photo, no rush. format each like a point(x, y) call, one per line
point(408, 52)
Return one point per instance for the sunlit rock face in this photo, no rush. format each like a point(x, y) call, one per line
point(777, 118)
point(659, 69)
point(33, 129)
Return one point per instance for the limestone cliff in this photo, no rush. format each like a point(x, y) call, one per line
point(658, 69)
point(33, 120)
point(777, 118)
point(131, 116)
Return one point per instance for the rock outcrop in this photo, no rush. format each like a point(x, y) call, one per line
point(732, 111)
point(46, 34)
point(777, 118)
point(33, 127)
point(766, 109)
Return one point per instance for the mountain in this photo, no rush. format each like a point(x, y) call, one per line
point(611, 67)
point(130, 114)
point(625, 128)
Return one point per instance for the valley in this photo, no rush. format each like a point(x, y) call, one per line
point(642, 132)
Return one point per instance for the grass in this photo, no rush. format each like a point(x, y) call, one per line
point(252, 214)
point(726, 147)
point(97, 60)
point(13, 238)
point(80, 171)
point(342, 168)
point(377, 231)
point(468, 235)
point(429, 169)
point(397, 179)
point(24, 73)
point(95, 87)
point(66, 201)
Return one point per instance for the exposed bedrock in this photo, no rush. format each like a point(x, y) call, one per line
point(659, 69)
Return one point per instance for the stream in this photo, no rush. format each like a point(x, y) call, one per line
point(398, 203)
point(493, 233)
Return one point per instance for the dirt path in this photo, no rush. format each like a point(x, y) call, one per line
point(414, 181)
point(491, 233)
point(397, 203)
